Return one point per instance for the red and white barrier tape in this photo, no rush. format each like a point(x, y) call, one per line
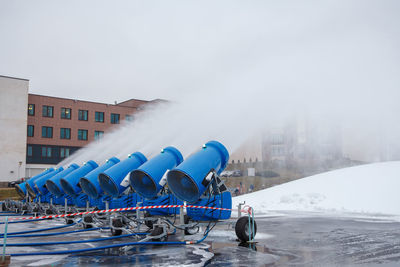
point(126, 209)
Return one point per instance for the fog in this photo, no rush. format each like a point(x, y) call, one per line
point(229, 68)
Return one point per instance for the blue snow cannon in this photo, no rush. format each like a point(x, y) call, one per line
point(30, 183)
point(149, 178)
point(53, 184)
point(90, 182)
point(21, 189)
point(70, 182)
point(190, 179)
point(223, 200)
point(110, 180)
point(40, 184)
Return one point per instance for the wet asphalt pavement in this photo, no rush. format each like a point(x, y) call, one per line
point(287, 239)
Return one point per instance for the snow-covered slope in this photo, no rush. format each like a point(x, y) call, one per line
point(372, 188)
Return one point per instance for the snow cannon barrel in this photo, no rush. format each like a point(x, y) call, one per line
point(151, 176)
point(70, 182)
point(90, 182)
point(190, 179)
point(53, 184)
point(21, 189)
point(40, 184)
point(30, 183)
point(112, 180)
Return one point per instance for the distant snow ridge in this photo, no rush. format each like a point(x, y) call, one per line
point(371, 188)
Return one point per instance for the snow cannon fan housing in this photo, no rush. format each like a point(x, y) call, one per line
point(70, 182)
point(40, 184)
point(111, 179)
point(150, 177)
point(21, 189)
point(90, 182)
point(53, 184)
point(190, 179)
point(30, 183)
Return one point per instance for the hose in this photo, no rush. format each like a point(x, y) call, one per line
point(72, 241)
point(74, 251)
point(33, 220)
point(38, 230)
point(58, 233)
point(14, 214)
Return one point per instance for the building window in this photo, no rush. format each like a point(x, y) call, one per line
point(98, 135)
point(114, 118)
point(277, 151)
point(31, 129)
point(65, 133)
point(128, 117)
point(99, 116)
point(66, 113)
point(47, 132)
point(46, 152)
point(277, 139)
point(83, 115)
point(31, 109)
point(82, 134)
point(29, 151)
point(64, 152)
point(47, 111)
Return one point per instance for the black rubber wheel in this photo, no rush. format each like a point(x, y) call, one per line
point(158, 231)
point(48, 212)
point(116, 232)
point(148, 223)
point(117, 222)
point(88, 219)
point(35, 209)
point(25, 207)
point(69, 220)
point(87, 226)
point(3, 206)
point(190, 231)
point(242, 228)
point(86, 222)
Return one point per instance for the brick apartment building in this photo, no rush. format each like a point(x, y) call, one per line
point(57, 127)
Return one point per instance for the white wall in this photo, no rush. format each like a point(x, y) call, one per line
point(13, 127)
point(35, 169)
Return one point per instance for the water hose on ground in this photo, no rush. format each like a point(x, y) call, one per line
point(75, 251)
point(59, 233)
point(72, 241)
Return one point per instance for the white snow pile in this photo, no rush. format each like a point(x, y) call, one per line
point(372, 188)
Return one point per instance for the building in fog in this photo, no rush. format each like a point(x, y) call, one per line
point(294, 149)
point(39, 131)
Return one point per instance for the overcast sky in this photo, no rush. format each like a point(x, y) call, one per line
point(115, 50)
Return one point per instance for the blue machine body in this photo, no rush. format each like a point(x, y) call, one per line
point(21, 189)
point(124, 201)
point(110, 180)
point(69, 183)
point(223, 200)
point(60, 200)
point(188, 180)
point(149, 178)
point(41, 182)
point(90, 182)
point(30, 183)
point(43, 198)
point(163, 200)
point(81, 199)
point(53, 184)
